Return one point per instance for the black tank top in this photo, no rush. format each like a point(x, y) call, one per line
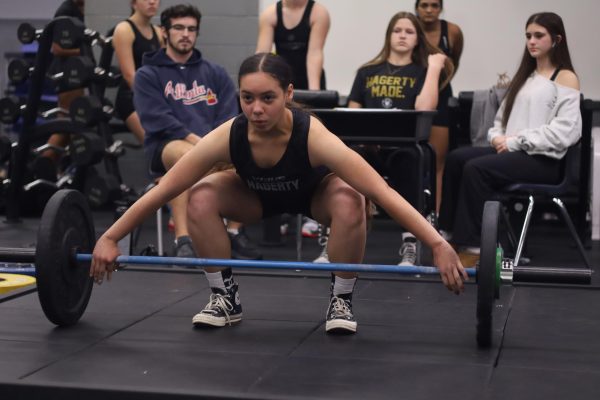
point(292, 45)
point(444, 43)
point(288, 186)
point(142, 45)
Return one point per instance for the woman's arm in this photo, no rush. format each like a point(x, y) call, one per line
point(314, 57)
point(456, 44)
point(327, 149)
point(213, 148)
point(428, 98)
point(122, 41)
point(266, 30)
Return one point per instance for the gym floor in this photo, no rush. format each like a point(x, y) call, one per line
point(415, 339)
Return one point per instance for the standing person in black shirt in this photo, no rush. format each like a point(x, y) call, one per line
point(286, 161)
point(298, 28)
point(131, 39)
point(449, 38)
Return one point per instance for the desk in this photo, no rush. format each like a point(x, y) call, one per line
point(387, 127)
point(376, 125)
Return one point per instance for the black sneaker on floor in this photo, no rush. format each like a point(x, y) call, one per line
point(242, 248)
point(339, 316)
point(184, 248)
point(223, 308)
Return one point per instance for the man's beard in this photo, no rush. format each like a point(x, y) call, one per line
point(177, 50)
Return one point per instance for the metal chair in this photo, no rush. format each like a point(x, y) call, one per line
point(539, 192)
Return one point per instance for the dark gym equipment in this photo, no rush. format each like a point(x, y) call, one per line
point(10, 109)
point(89, 110)
point(101, 189)
point(19, 70)
point(26, 33)
point(5, 148)
point(86, 148)
point(78, 71)
point(66, 233)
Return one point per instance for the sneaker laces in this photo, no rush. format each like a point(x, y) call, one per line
point(217, 302)
point(408, 252)
point(340, 308)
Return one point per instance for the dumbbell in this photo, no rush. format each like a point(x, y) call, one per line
point(26, 33)
point(70, 32)
point(5, 148)
point(19, 70)
point(101, 189)
point(89, 110)
point(86, 148)
point(80, 70)
point(11, 109)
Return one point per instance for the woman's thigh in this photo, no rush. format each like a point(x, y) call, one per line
point(224, 192)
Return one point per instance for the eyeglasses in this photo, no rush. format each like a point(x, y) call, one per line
point(181, 28)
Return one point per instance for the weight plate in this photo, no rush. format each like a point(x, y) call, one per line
point(64, 285)
point(9, 282)
point(486, 274)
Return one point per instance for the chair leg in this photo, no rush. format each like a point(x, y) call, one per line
point(512, 238)
point(572, 230)
point(524, 231)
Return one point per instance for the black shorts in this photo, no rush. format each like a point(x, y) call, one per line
point(124, 103)
point(156, 167)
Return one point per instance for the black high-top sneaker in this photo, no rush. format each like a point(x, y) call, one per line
point(340, 318)
point(224, 307)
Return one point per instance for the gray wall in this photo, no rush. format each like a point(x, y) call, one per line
point(493, 30)
point(227, 32)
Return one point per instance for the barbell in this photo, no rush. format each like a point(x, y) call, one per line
point(66, 237)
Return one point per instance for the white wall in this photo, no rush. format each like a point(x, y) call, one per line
point(493, 30)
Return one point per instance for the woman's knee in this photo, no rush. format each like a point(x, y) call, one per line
point(203, 200)
point(348, 207)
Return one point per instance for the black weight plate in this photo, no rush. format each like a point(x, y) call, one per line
point(26, 33)
point(86, 110)
point(64, 285)
point(87, 148)
point(10, 110)
point(68, 32)
point(18, 71)
point(486, 274)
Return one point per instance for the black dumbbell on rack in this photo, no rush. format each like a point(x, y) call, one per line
point(11, 109)
point(68, 33)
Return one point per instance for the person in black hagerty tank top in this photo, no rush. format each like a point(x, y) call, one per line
point(286, 161)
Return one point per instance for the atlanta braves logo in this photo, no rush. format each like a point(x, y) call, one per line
point(196, 94)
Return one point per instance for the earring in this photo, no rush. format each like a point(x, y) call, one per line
point(553, 44)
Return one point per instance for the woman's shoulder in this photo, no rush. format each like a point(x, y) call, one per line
point(454, 29)
point(123, 28)
point(568, 79)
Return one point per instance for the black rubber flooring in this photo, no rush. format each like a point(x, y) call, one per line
point(415, 340)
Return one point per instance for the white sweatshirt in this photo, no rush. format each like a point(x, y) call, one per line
point(545, 118)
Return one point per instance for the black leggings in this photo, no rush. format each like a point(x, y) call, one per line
point(473, 175)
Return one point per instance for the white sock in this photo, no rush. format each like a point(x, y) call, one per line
point(215, 280)
point(343, 286)
point(233, 231)
point(408, 235)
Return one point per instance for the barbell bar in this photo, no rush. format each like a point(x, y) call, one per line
point(66, 237)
